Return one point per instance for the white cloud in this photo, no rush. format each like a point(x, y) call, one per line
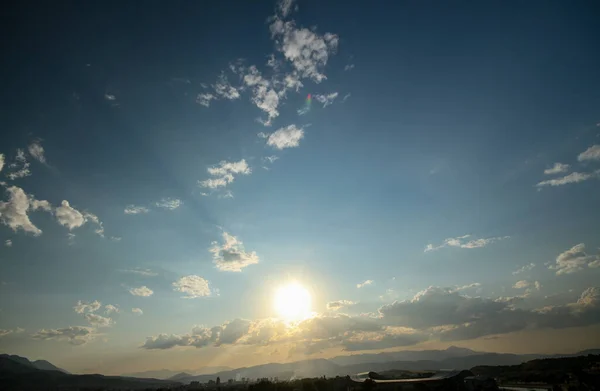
point(307, 51)
point(468, 286)
point(141, 291)
point(287, 137)
point(1, 161)
point(98, 320)
point(134, 210)
point(13, 213)
point(557, 168)
point(37, 151)
point(346, 97)
point(592, 153)
point(574, 177)
point(349, 67)
point(224, 89)
point(20, 168)
point(95, 220)
point(86, 307)
point(264, 95)
point(338, 304)
point(270, 159)
point(285, 7)
point(231, 256)
point(224, 173)
point(364, 283)
point(464, 242)
point(5, 332)
point(8, 243)
point(522, 284)
point(204, 99)
point(192, 286)
point(524, 269)
point(326, 99)
point(109, 309)
point(141, 272)
point(573, 260)
point(137, 311)
point(110, 97)
point(76, 335)
point(169, 203)
point(68, 216)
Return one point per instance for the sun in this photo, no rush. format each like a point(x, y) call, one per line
point(292, 302)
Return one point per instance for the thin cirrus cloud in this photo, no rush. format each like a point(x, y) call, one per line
point(230, 255)
point(524, 269)
point(135, 210)
point(364, 283)
point(465, 242)
point(143, 291)
point(193, 287)
point(574, 177)
point(326, 100)
point(574, 260)
point(557, 168)
point(140, 272)
point(19, 168)
point(75, 335)
point(167, 203)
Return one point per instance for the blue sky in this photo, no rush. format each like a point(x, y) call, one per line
point(166, 158)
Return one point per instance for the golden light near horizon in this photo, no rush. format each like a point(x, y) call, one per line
point(292, 302)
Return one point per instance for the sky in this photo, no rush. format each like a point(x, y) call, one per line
point(231, 183)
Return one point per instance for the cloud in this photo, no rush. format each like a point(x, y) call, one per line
point(574, 177)
point(287, 137)
point(192, 286)
point(75, 335)
point(338, 304)
point(264, 95)
point(557, 168)
point(141, 291)
point(109, 309)
point(592, 153)
point(464, 242)
point(307, 51)
point(524, 269)
point(134, 210)
point(110, 97)
point(573, 260)
point(364, 283)
point(285, 7)
point(346, 97)
point(224, 89)
point(95, 220)
point(468, 286)
point(37, 151)
point(5, 332)
point(141, 272)
point(169, 203)
point(1, 161)
point(349, 67)
point(326, 99)
point(231, 256)
point(98, 320)
point(8, 243)
point(522, 284)
point(20, 168)
point(270, 159)
point(87, 307)
point(68, 216)
point(137, 311)
point(14, 212)
point(204, 99)
point(224, 173)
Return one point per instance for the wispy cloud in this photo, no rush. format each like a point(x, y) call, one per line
point(37, 151)
point(20, 167)
point(135, 210)
point(574, 177)
point(346, 97)
point(287, 137)
point(326, 99)
point(523, 269)
point(230, 255)
point(364, 283)
point(574, 260)
point(339, 304)
point(465, 242)
point(82, 307)
point(557, 168)
point(8, 243)
point(169, 203)
point(204, 99)
point(141, 291)
point(349, 67)
point(224, 173)
point(141, 272)
point(109, 309)
point(75, 335)
point(192, 286)
point(137, 311)
point(592, 153)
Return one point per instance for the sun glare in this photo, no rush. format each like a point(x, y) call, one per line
point(292, 302)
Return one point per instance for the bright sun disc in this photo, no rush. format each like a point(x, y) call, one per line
point(292, 302)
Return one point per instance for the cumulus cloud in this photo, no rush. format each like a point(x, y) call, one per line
point(98, 320)
point(134, 210)
point(557, 168)
point(592, 153)
point(224, 173)
point(338, 304)
point(230, 255)
point(169, 203)
point(68, 216)
point(364, 283)
point(141, 291)
point(464, 242)
point(37, 151)
point(87, 307)
point(14, 212)
point(75, 335)
point(573, 260)
point(264, 95)
point(137, 311)
point(224, 89)
point(574, 177)
point(109, 309)
point(326, 99)
point(523, 269)
point(522, 284)
point(192, 286)
point(286, 137)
